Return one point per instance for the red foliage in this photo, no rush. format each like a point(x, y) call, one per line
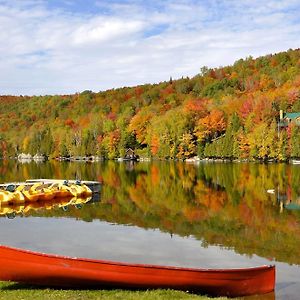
point(289, 131)
point(251, 84)
point(262, 110)
point(3, 148)
point(168, 90)
point(274, 62)
point(99, 139)
point(111, 116)
point(4, 128)
point(138, 91)
point(127, 97)
point(212, 74)
point(70, 123)
point(246, 108)
point(165, 107)
point(293, 95)
point(100, 179)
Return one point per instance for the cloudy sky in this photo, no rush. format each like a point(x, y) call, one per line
point(67, 46)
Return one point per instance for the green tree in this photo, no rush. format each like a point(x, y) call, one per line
point(295, 142)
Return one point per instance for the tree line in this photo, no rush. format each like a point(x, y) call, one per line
point(227, 112)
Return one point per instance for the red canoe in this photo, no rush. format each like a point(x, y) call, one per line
point(51, 270)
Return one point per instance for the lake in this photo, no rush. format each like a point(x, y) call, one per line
point(207, 215)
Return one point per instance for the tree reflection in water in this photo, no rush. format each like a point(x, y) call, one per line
point(224, 204)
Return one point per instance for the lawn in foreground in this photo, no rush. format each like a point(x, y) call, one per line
point(10, 290)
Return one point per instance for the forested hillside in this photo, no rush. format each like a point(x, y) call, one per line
point(228, 112)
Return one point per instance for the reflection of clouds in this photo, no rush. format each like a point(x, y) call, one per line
point(55, 47)
point(101, 240)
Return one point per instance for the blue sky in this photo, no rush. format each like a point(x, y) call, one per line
point(62, 47)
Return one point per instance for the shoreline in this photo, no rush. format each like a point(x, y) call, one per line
point(193, 160)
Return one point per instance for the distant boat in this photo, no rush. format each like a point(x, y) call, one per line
point(52, 270)
point(271, 191)
point(295, 162)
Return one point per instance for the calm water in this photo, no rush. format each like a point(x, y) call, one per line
point(212, 215)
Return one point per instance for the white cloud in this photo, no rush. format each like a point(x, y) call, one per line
point(105, 29)
point(57, 50)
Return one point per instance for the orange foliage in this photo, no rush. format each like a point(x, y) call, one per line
point(244, 145)
point(274, 62)
point(265, 82)
point(138, 194)
point(138, 124)
point(154, 145)
point(246, 213)
point(4, 128)
point(193, 214)
point(114, 138)
point(231, 105)
point(113, 180)
point(216, 120)
point(155, 178)
point(212, 124)
point(213, 200)
point(197, 106)
point(84, 121)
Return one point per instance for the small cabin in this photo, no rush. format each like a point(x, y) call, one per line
point(129, 154)
point(287, 118)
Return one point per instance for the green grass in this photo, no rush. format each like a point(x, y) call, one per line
point(16, 291)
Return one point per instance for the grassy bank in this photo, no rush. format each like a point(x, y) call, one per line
point(19, 291)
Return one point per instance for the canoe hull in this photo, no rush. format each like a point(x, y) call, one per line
point(59, 271)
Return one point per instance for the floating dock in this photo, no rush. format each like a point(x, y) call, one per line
point(95, 186)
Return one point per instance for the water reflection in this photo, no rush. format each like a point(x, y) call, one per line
point(221, 204)
point(40, 206)
point(248, 208)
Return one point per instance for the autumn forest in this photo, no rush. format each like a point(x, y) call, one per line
point(228, 112)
